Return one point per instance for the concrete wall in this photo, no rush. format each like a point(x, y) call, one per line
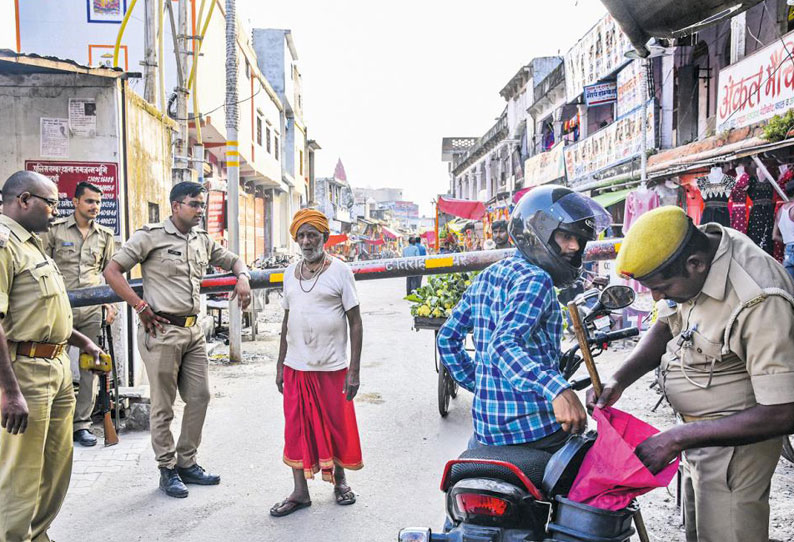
point(24, 100)
point(149, 159)
point(270, 47)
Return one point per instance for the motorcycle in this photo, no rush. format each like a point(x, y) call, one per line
point(510, 493)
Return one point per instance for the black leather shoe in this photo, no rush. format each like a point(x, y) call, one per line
point(197, 475)
point(84, 437)
point(172, 484)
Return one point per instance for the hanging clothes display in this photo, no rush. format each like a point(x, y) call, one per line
point(639, 202)
point(715, 198)
point(669, 193)
point(762, 215)
point(779, 250)
point(738, 203)
point(693, 201)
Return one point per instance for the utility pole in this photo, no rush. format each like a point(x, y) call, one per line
point(150, 56)
point(233, 171)
point(181, 170)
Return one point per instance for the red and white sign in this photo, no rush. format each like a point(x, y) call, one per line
point(67, 175)
point(215, 212)
point(758, 87)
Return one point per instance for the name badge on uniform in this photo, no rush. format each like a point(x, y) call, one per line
point(174, 252)
point(67, 244)
point(4, 234)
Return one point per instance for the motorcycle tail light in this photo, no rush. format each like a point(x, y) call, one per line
point(481, 505)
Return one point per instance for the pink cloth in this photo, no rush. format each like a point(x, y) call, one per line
point(611, 474)
point(638, 203)
point(463, 208)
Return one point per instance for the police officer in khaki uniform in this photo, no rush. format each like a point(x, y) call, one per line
point(724, 342)
point(82, 248)
point(174, 256)
point(36, 397)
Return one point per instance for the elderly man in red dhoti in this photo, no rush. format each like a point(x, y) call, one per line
point(320, 306)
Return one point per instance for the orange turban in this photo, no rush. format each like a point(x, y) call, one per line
point(311, 217)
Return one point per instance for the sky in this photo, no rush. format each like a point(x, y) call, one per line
point(384, 82)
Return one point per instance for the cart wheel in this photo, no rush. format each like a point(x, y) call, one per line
point(788, 450)
point(453, 389)
point(443, 391)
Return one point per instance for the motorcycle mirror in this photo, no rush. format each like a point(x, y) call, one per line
point(617, 297)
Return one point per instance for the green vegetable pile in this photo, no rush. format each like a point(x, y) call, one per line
point(440, 294)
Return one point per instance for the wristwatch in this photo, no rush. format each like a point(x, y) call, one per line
point(246, 274)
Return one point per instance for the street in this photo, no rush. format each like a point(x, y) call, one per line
point(114, 493)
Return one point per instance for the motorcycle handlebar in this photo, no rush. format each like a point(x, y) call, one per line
point(618, 335)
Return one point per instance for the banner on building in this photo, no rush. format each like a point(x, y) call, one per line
point(106, 11)
point(215, 214)
point(757, 88)
point(67, 175)
point(632, 85)
point(617, 143)
point(600, 94)
point(545, 167)
point(599, 53)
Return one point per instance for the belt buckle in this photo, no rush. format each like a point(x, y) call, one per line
point(59, 349)
point(190, 321)
point(32, 353)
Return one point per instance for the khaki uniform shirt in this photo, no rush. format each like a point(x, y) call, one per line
point(172, 265)
point(81, 261)
point(705, 374)
point(34, 305)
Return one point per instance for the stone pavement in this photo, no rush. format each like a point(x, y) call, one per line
point(92, 465)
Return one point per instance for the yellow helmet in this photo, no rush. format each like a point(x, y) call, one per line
point(654, 240)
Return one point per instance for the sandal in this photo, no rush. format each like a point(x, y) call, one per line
point(287, 506)
point(344, 495)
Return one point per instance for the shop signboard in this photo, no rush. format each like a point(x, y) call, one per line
point(250, 229)
point(67, 175)
point(758, 87)
point(632, 85)
point(600, 94)
point(259, 220)
point(215, 214)
point(610, 146)
point(545, 167)
point(598, 54)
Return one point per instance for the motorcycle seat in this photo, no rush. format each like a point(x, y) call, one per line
point(531, 462)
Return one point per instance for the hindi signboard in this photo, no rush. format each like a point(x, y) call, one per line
point(545, 167)
point(215, 214)
point(757, 88)
point(610, 146)
point(67, 175)
point(599, 53)
point(632, 85)
point(600, 94)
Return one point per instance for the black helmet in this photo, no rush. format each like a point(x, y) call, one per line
point(545, 209)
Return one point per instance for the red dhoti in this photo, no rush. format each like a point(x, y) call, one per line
point(320, 429)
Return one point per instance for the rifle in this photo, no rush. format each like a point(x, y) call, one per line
point(111, 437)
point(587, 354)
point(115, 374)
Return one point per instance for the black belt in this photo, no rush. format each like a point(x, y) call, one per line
point(181, 321)
point(762, 201)
point(716, 204)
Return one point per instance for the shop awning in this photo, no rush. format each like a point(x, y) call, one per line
point(611, 198)
point(429, 236)
point(463, 208)
point(388, 234)
point(335, 239)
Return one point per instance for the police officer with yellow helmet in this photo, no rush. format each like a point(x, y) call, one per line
point(36, 397)
point(724, 343)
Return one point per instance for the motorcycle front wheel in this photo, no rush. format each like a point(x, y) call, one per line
point(788, 449)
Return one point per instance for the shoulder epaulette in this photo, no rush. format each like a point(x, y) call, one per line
point(150, 227)
point(5, 233)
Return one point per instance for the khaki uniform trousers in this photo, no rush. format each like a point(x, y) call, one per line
point(36, 466)
point(176, 359)
point(726, 492)
point(89, 323)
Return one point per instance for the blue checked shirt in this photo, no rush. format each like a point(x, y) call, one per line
point(512, 310)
